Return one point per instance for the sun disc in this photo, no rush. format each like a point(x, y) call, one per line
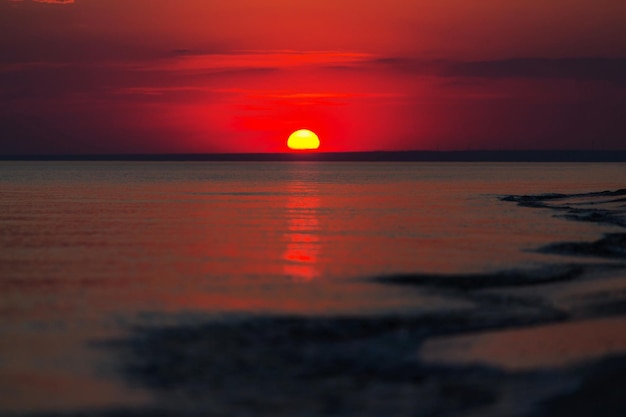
point(303, 139)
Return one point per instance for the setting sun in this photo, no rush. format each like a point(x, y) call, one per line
point(303, 139)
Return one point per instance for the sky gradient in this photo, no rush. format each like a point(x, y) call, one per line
point(156, 76)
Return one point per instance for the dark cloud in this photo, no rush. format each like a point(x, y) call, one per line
point(412, 65)
point(591, 68)
point(183, 51)
point(46, 1)
point(601, 69)
point(54, 1)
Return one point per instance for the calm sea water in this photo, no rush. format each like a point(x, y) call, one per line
point(90, 248)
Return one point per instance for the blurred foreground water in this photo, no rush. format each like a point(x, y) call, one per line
point(305, 288)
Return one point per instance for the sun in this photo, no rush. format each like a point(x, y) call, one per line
point(302, 140)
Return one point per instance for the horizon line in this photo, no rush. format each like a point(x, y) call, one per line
point(544, 155)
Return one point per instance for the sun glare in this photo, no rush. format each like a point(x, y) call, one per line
point(303, 139)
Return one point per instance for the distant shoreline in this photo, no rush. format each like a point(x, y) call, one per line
point(382, 156)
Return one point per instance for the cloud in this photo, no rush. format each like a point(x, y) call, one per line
point(328, 95)
point(157, 91)
point(24, 66)
point(46, 1)
point(588, 68)
point(186, 60)
point(54, 1)
point(602, 69)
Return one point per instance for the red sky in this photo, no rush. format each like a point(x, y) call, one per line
point(144, 76)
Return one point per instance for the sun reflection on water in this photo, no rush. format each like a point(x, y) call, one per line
point(302, 235)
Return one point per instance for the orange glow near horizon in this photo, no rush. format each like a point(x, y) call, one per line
point(302, 140)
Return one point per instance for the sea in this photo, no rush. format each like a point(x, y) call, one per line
point(91, 251)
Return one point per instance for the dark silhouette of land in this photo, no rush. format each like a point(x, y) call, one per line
point(383, 156)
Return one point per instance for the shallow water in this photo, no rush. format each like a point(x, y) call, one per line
point(90, 249)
